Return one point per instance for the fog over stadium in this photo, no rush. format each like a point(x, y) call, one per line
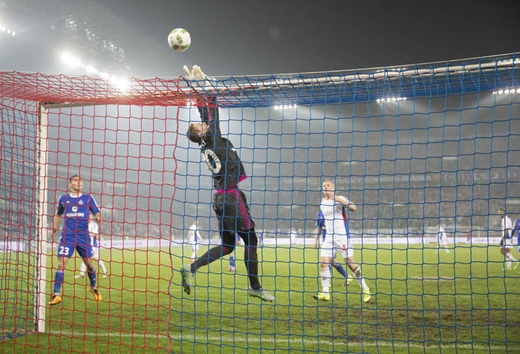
point(408, 168)
point(234, 37)
point(388, 154)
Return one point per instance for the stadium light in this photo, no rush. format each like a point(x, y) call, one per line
point(391, 99)
point(122, 84)
point(70, 60)
point(285, 106)
point(507, 91)
point(7, 30)
point(92, 70)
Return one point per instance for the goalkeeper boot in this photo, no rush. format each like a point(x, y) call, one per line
point(187, 278)
point(366, 295)
point(96, 293)
point(56, 299)
point(261, 294)
point(322, 297)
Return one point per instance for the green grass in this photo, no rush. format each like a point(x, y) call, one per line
point(462, 302)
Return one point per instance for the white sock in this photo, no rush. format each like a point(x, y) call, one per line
point(82, 269)
point(325, 280)
point(102, 266)
point(359, 276)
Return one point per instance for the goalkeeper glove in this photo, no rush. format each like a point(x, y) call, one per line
point(195, 73)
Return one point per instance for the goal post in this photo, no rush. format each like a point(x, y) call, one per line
point(42, 223)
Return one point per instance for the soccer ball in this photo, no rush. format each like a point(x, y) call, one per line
point(179, 39)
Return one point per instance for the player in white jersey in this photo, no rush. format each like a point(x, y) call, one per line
point(334, 209)
point(194, 239)
point(321, 234)
point(442, 239)
point(93, 229)
point(506, 243)
point(516, 229)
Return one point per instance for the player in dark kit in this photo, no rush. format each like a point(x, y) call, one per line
point(229, 202)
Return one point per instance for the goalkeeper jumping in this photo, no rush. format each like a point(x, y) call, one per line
point(229, 202)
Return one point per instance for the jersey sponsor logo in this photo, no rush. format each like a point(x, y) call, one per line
point(75, 215)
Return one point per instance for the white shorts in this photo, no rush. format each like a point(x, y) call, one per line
point(340, 244)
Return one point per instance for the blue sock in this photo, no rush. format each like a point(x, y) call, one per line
point(340, 269)
point(92, 277)
point(231, 261)
point(58, 280)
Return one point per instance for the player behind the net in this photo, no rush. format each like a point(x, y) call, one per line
point(74, 208)
point(506, 242)
point(334, 209)
point(321, 234)
point(93, 229)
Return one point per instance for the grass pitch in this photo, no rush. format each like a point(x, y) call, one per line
point(461, 302)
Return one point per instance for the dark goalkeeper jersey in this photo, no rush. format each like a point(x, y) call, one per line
point(218, 152)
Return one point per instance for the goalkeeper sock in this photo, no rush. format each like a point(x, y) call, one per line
point(210, 256)
point(251, 261)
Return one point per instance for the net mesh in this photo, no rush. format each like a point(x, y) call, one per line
point(414, 147)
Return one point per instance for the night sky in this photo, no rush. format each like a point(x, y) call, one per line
point(237, 37)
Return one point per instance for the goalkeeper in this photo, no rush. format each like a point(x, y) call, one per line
point(229, 202)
